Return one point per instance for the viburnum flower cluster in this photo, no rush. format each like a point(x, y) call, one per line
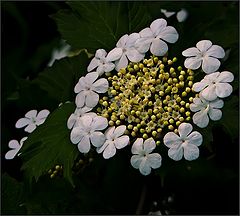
point(144, 98)
point(31, 120)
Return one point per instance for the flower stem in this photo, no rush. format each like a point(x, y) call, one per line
point(141, 200)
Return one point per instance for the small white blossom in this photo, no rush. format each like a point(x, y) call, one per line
point(204, 54)
point(167, 13)
point(79, 112)
point(181, 15)
point(142, 159)
point(155, 37)
point(114, 140)
point(88, 130)
point(15, 147)
point(125, 50)
point(87, 89)
point(215, 85)
point(32, 120)
point(203, 108)
point(100, 62)
point(184, 145)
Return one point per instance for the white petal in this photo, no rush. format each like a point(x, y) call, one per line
point(101, 53)
point(204, 45)
point(210, 64)
point(31, 114)
point(197, 101)
point(158, 25)
point(108, 67)
point(137, 146)
point(85, 121)
point(83, 110)
point(209, 93)
point(97, 138)
point(99, 123)
point(22, 122)
point(195, 138)
point(146, 33)
point(13, 144)
point(225, 76)
point(212, 77)
point(134, 56)
point(175, 153)
point(149, 145)
point(71, 121)
point(193, 51)
point(122, 63)
point(30, 128)
point(114, 54)
point(100, 86)
point(215, 114)
point(101, 148)
point(92, 99)
point(132, 39)
point(119, 131)
point(143, 44)
point(193, 63)
point(93, 64)
point(109, 133)
point(195, 107)
point(198, 86)
point(11, 154)
point(172, 140)
point(121, 142)
point(216, 51)
point(182, 15)
point(167, 13)
point(191, 152)
point(84, 145)
point(76, 135)
point(41, 117)
point(81, 85)
point(184, 129)
point(23, 140)
point(144, 167)
point(136, 161)
point(155, 160)
point(216, 103)
point(158, 47)
point(169, 34)
point(122, 41)
point(201, 119)
point(80, 99)
point(91, 77)
point(109, 151)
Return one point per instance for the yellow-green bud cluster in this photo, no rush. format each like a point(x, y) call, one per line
point(56, 171)
point(149, 97)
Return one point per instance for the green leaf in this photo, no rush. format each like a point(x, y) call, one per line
point(95, 25)
point(49, 145)
point(59, 80)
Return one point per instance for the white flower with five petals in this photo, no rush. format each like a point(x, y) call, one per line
point(32, 120)
point(79, 112)
point(203, 108)
point(143, 158)
point(15, 147)
point(100, 62)
point(204, 54)
point(184, 145)
point(88, 131)
point(215, 85)
point(87, 89)
point(125, 50)
point(114, 140)
point(155, 37)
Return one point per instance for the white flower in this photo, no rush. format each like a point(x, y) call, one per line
point(79, 112)
point(87, 89)
point(15, 147)
point(142, 159)
point(186, 144)
point(203, 108)
point(155, 36)
point(32, 120)
point(181, 15)
point(114, 140)
point(100, 62)
point(88, 130)
point(215, 85)
point(125, 50)
point(205, 54)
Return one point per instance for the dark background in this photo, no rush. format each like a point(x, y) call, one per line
point(200, 187)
